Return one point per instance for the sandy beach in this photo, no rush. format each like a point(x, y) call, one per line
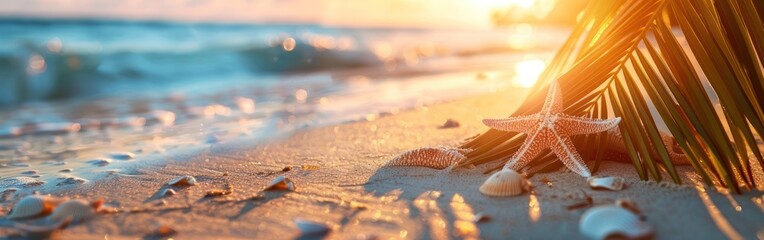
point(339, 182)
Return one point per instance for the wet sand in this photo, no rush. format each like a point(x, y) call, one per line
point(340, 183)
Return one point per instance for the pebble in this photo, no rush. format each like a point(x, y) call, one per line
point(100, 162)
point(450, 123)
point(122, 155)
point(69, 180)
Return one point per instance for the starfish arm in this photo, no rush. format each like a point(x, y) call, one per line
point(531, 148)
point(571, 125)
point(553, 102)
point(567, 153)
point(524, 124)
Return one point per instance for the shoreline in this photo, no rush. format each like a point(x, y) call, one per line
point(339, 182)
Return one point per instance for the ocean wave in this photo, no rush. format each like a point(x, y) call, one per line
point(39, 74)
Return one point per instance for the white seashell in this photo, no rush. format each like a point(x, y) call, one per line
point(183, 181)
point(31, 206)
point(76, 209)
point(310, 228)
point(504, 183)
point(607, 221)
point(281, 183)
point(609, 183)
point(167, 192)
point(431, 157)
point(122, 155)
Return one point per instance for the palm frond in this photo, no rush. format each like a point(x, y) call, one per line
point(695, 66)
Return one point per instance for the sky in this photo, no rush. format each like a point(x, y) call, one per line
point(356, 13)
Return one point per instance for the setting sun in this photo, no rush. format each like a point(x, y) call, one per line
point(527, 72)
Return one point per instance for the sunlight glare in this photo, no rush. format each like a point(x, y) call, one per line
point(528, 71)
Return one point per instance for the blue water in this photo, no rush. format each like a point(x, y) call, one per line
point(63, 59)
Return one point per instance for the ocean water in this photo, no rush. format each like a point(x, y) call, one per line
point(75, 91)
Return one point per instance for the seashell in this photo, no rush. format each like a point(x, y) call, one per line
point(628, 204)
point(450, 123)
point(167, 192)
point(182, 181)
point(76, 209)
point(310, 228)
point(100, 162)
point(163, 231)
point(437, 158)
point(608, 221)
point(31, 206)
point(30, 172)
point(65, 170)
point(281, 183)
point(122, 155)
point(609, 183)
point(504, 183)
point(481, 217)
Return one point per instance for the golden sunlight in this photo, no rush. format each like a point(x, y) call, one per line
point(527, 72)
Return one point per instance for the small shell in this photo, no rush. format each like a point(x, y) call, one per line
point(608, 221)
point(450, 123)
point(504, 183)
point(310, 228)
point(481, 217)
point(167, 192)
point(437, 158)
point(31, 206)
point(281, 183)
point(182, 181)
point(76, 209)
point(609, 183)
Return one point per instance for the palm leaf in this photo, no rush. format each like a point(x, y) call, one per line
point(704, 79)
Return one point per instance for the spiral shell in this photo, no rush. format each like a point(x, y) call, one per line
point(31, 206)
point(431, 157)
point(504, 183)
point(608, 221)
point(76, 209)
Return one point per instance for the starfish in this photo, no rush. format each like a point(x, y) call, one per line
point(551, 129)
